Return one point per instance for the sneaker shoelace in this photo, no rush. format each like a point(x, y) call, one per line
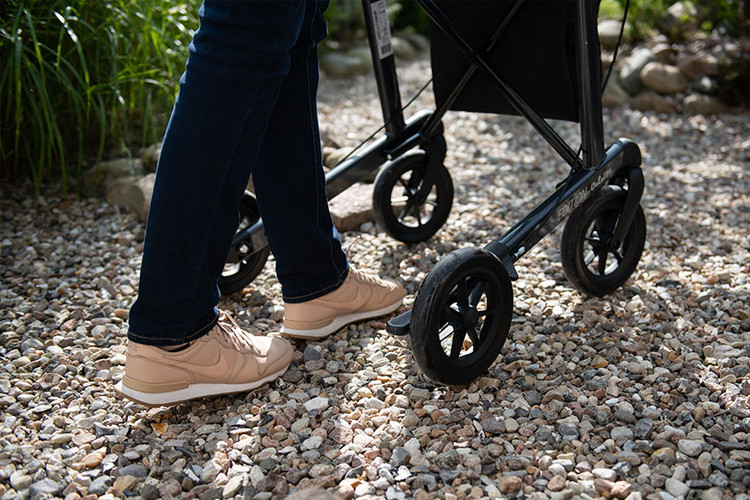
point(366, 278)
point(232, 332)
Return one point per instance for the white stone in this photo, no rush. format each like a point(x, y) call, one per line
point(20, 481)
point(232, 487)
point(211, 469)
point(663, 78)
point(689, 447)
point(301, 424)
point(676, 488)
point(607, 474)
point(312, 443)
point(316, 404)
point(256, 476)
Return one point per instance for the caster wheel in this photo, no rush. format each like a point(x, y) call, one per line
point(244, 262)
point(461, 316)
point(594, 263)
point(399, 206)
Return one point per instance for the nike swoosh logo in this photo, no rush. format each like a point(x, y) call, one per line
point(217, 370)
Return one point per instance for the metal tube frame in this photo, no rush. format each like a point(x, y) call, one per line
point(619, 163)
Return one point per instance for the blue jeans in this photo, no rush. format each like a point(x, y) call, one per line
point(246, 105)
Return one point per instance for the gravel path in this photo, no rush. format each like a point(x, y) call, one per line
point(641, 394)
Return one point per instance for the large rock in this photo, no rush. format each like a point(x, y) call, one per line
point(339, 65)
point(420, 42)
point(648, 100)
point(662, 51)
point(630, 74)
point(132, 194)
point(680, 19)
point(363, 54)
point(334, 156)
point(402, 49)
point(609, 33)
point(699, 104)
point(695, 65)
point(663, 78)
point(705, 85)
point(614, 95)
point(150, 157)
point(352, 208)
point(96, 181)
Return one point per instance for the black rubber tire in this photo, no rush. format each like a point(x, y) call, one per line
point(237, 275)
point(450, 301)
point(585, 249)
point(399, 221)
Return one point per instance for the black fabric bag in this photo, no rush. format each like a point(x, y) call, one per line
point(535, 55)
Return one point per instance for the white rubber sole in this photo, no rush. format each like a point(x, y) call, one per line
point(338, 323)
point(193, 391)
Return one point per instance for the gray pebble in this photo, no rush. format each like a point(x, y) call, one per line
point(100, 485)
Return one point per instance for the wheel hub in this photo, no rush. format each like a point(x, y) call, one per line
point(471, 318)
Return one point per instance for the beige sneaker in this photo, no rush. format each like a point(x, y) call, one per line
point(360, 297)
point(225, 360)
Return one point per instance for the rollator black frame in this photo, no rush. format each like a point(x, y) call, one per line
point(597, 167)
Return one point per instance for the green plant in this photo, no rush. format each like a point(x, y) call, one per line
point(345, 21)
point(410, 17)
point(646, 15)
point(81, 76)
point(726, 14)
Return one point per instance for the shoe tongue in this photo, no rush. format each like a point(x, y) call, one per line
point(236, 336)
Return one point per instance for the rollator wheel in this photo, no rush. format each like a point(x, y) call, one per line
point(243, 263)
point(461, 316)
point(592, 261)
point(399, 207)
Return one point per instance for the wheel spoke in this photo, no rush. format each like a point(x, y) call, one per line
point(618, 256)
point(462, 294)
point(602, 268)
point(477, 290)
point(405, 212)
point(475, 338)
point(605, 224)
point(457, 344)
point(487, 314)
point(453, 316)
point(414, 180)
point(417, 214)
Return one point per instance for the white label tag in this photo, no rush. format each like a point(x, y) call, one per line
point(382, 28)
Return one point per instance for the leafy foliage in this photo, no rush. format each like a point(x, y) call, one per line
point(646, 15)
point(81, 76)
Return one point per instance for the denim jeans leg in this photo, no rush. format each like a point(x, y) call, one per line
point(290, 182)
point(238, 60)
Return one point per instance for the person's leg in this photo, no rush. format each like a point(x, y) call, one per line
point(321, 294)
point(290, 182)
point(238, 59)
